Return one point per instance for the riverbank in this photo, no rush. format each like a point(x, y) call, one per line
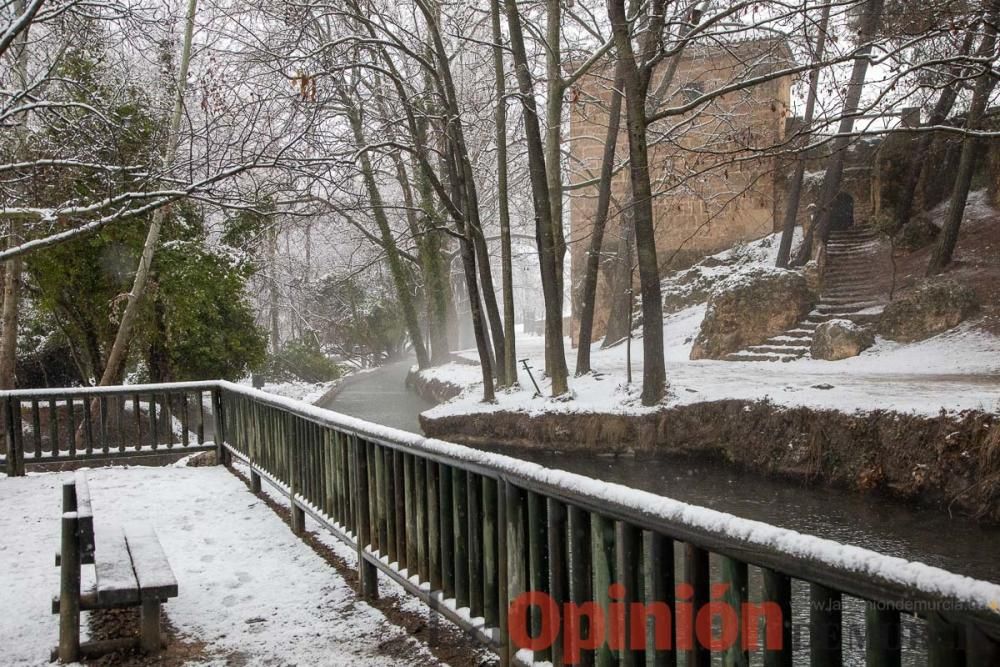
point(947, 461)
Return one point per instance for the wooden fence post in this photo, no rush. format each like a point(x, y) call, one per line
point(825, 630)
point(221, 457)
point(15, 439)
point(882, 646)
point(777, 589)
point(69, 590)
point(735, 573)
point(294, 445)
point(517, 562)
point(696, 575)
point(367, 573)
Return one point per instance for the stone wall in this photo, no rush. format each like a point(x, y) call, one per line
point(710, 194)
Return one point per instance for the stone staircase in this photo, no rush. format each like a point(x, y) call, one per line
point(850, 291)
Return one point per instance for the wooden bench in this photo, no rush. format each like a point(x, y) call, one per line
point(131, 571)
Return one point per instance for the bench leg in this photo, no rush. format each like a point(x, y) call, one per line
point(69, 591)
point(149, 637)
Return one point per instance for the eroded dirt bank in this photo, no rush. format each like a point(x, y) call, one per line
point(430, 389)
point(951, 460)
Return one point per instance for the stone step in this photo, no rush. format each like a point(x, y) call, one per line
point(853, 293)
point(852, 244)
point(829, 302)
point(849, 307)
point(845, 287)
point(852, 262)
point(853, 240)
point(870, 264)
point(861, 274)
point(867, 250)
point(861, 239)
point(740, 356)
point(792, 336)
point(848, 258)
point(819, 317)
point(851, 233)
point(768, 348)
point(849, 280)
point(858, 317)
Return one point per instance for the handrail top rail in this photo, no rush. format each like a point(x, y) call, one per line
point(851, 569)
point(60, 392)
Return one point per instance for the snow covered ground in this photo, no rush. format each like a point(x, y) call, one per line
point(956, 370)
point(249, 589)
point(308, 392)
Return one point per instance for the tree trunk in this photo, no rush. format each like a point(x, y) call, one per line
point(553, 145)
point(468, 253)
point(588, 291)
point(467, 189)
point(437, 286)
point(8, 326)
point(795, 187)
point(919, 155)
point(272, 289)
point(552, 294)
point(620, 315)
point(12, 267)
point(970, 149)
point(503, 204)
point(114, 368)
point(870, 21)
point(392, 257)
point(636, 84)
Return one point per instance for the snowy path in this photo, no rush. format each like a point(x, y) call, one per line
point(249, 589)
point(380, 395)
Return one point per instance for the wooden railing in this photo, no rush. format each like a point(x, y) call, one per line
point(469, 532)
point(44, 426)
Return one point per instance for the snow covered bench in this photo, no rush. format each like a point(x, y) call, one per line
point(130, 570)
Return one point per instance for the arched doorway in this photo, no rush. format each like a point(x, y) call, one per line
point(842, 212)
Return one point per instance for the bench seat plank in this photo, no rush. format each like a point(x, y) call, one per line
point(152, 571)
point(116, 580)
point(84, 513)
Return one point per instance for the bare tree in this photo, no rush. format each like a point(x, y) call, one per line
point(503, 197)
point(870, 20)
point(555, 354)
point(588, 291)
point(971, 145)
point(637, 71)
point(114, 367)
point(795, 186)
